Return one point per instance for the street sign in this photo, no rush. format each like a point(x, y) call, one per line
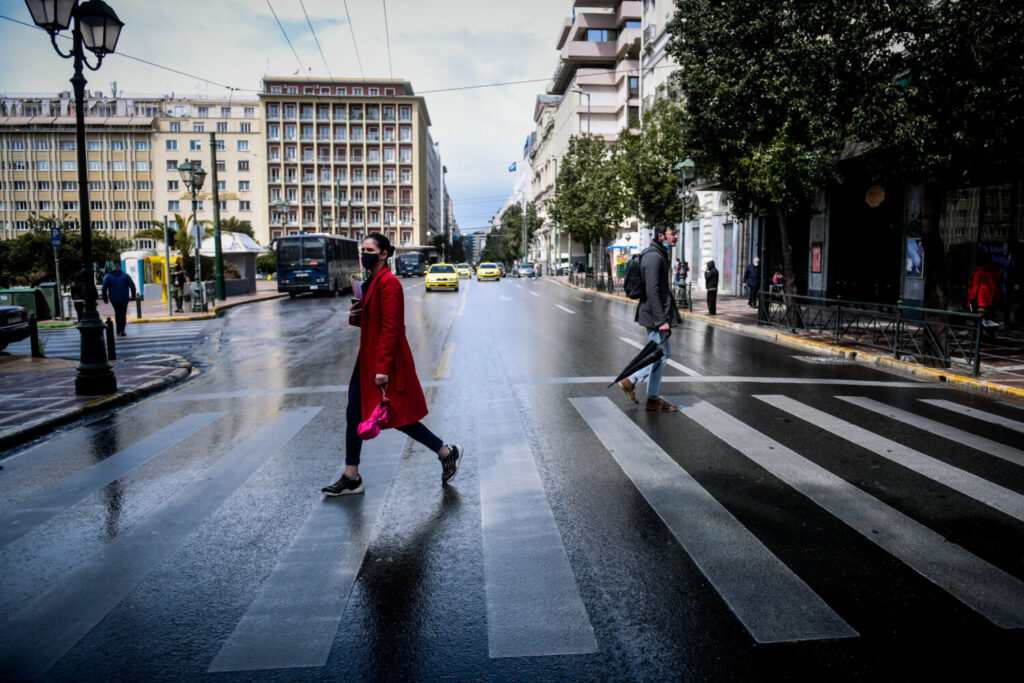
point(55, 237)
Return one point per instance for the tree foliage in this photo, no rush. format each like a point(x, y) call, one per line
point(646, 161)
point(27, 260)
point(505, 243)
point(590, 197)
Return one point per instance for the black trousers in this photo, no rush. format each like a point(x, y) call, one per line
point(353, 416)
point(752, 295)
point(712, 301)
point(120, 315)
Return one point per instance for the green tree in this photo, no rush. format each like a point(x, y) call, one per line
point(28, 259)
point(512, 227)
point(232, 224)
point(646, 160)
point(772, 90)
point(590, 199)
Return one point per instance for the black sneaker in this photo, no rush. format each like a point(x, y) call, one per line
point(450, 464)
point(344, 486)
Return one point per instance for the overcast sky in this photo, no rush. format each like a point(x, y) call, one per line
point(435, 44)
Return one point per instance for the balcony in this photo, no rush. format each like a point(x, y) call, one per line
point(628, 43)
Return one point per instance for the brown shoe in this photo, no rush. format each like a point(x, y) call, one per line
point(660, 405)
point(627, 386)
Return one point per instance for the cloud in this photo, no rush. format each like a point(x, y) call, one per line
point(435, 44)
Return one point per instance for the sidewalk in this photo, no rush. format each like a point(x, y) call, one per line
point(38, 394)
point(1002, 367)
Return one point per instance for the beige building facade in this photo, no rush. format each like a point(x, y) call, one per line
point(347, 156)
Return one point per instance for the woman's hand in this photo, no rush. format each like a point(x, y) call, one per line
point(381, 380)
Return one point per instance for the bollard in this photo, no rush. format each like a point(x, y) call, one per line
point(33, 333)
point(111, 347)
point(138, 306)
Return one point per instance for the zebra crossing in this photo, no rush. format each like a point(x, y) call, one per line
point(292, 618)
point(65, 342)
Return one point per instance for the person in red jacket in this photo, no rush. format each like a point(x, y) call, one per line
point(384, 366)
point(983, 291)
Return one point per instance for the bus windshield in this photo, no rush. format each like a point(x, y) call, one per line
point(289, 253)
point(313, 251)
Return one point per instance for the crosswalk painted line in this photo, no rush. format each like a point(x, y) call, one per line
point(988, 590)
point(533, 604)
point(976, 414)
point(982, 490)
point(678, 366)
point(771, 602)
point(41, 633)
point(942, 429)
point(20, 520)
point(294, 618)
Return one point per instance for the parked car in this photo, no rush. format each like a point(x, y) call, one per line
point(526, 270)
point(13, 325)
point(442, 276)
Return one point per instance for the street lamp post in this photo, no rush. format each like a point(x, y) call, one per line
point(193, 175)
point(96, 28)
point(685, 172)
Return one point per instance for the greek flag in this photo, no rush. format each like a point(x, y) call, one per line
point(512, 168)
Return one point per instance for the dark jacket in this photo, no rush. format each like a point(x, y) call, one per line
point(711, 276)
point(752, 276)
point(118, 287)
point(657, 306)
point(178, 278)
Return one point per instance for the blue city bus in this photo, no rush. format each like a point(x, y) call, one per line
point(411, 264)
point(315, 263)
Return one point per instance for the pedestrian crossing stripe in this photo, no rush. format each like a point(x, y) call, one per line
point(977, 414)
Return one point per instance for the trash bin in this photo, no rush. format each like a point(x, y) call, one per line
point(51, 292)
point(29, 297)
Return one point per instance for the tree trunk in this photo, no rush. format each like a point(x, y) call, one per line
point(934, 250)
point(787, 250)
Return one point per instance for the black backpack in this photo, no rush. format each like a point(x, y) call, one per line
point(633, 282)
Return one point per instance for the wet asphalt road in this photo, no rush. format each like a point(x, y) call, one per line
point(798, 519)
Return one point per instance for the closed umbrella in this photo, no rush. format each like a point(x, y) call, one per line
point(651, 353)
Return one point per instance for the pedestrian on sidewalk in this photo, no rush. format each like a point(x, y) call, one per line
point(385, 366)
point(983, 291)
point(79, 282)
point(711, 284)
point(118, 289)
point(657, 313)
point(178, 282)
point(752, 279)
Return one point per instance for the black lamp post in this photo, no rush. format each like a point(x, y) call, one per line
point(193, 175)
point(97, 28)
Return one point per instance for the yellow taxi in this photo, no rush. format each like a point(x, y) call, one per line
point(442, 276)
point(488, 271)
point(464, 270)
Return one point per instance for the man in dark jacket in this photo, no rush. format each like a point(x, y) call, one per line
point(118, 289)
point(178, 281)
point(752, 279)
point(711, 284)
point(657, 313)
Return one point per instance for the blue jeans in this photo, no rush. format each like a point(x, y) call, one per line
point(654, 371)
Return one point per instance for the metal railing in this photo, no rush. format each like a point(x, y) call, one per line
point(926, 335)
point(683, 295)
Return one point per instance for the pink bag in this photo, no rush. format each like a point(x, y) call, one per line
point(370, 427)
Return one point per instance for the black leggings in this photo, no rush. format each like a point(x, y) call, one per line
point(353, 416)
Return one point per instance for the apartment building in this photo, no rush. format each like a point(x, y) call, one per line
point(183, 134)
point(39, 163)
point(656, 65)
point(347, 156)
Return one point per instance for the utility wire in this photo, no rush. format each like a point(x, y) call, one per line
point(315, 40)
point(302, 69)
point(387, 36)
point(352, 30)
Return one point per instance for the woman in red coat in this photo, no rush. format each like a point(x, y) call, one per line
point(983, 291)
point(385, 366)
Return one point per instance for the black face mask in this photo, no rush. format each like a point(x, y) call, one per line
point(370, 260)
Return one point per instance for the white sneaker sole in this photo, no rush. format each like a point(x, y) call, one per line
point(458, 462)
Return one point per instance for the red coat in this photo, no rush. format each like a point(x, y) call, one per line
point(983, 285)
point(383, 350)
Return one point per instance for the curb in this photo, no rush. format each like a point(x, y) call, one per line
point(215, 312)
point(979, 386)
point(34, 428)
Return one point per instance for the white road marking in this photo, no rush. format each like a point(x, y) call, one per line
point(44, 629)
point(444, 363)
point(533, 604)
point(984, 491)
point(959, 436)
point(976, 414)
point(565, 309)
point(18, 521)
point(988, 590)
point(771, 602)
point(293, 620)
point(534, 293)
point(678, 366)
